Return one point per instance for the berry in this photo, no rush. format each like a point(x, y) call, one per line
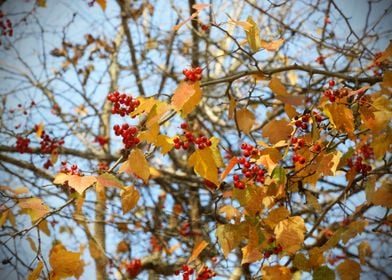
point(184, 125)
point(331, 83)
point(122, 104)
point(193, 74)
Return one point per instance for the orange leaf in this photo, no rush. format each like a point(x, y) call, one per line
point(229, 167)
point(186, 97)
point(109, 180)
point(230, 236)
point(39, 130)
point(290, 234)
point(281, 93)
point(273, 45)
point(102, 3)
point(349, 270)
point(78, 183)
point(137, 165)
point(35, 207)
point(341, 117)
point(276, 273)
point(232, 104)
point(277, 130)
point(129, 198)
point(382, 196)
point(199, 247)
point(386, 54)
point(65, 263)
point(245, 120)
point(364, 250)
point(36, 272)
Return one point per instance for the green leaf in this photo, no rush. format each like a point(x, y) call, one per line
point(323, 273)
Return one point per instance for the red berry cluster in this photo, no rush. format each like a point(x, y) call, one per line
point(206, 273)
point(134, 267)
point(302, 122)
point(332, 95)
point(203, 26)
point(193, 74)
point(48, 145)
point(249, 169)
point(317, 117)
point(22, 145)
point(123, 104)
point(48, 164)
point(73, 170)
point(364, 153)
point(186, 272)
point(103, 166)
point(128, 134)
point(298, 144)
point(377, 65)
point(321, 59)
point(101, 140)
point(273, 248)
point(5, 26)
point(188, 139)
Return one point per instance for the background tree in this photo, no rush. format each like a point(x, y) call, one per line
point(228, 139)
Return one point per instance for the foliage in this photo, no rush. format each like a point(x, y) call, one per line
point(249, 144)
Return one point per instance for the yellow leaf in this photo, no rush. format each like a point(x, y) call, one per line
point(341, 117)
point(39, 130)
point(290, 234)
point(186, 97)
point(41, 3)
point(281, 93)
point(197, 249)
point(349, 270)
point(354, 228)
point(251, 254)
point(102, 3)
point(165, 142)
point(250, 198)
point(156, 112)
point(78, 183)
point(109, 180)
point(313, 202)
point(270, 158)
point(215, 152)
point(204, 165)
point(364, 251)
point(232, 105)
point(129, 198)
point(328, 163)
point(137, 165)
point(36, 272)
point(316, 257)
point(275, 216)
point(3, 217)
point(290, 111)
point(231, 212)
point(271, 46)
point(276, 272)
point(277, 130)
point(382, 196)
point(35, 207)
point(229, 236)
point(32, 244)
point(245, 120)
point(253, 35)
point(65, 263)
point(150, 135)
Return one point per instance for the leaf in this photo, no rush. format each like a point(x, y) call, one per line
point(251, 198)
point(313, 202)
point(251, 254)
point(232, 105)
point(277, 130)
point(281, 93)
point(39, 129)
point(78, 183)
point(233, 161)
point(198, 8)
point(186, 97)
point(229, 237)
point(137, 165)
point(245, 120)
point(41, 3)
point(271, 46)
point(349, 270)
point(316, 257)
point(204, 165)
point(341, 117)
point(290, 234)
point(65, 263)
point(382, 196)
point(323, 273)
point(215, 152)
point(129, 198)
point(199, 247)
point(32, 244)
point(34, 207)
point(102, 3)
point(165, 142)
point(354, 228)
point(230, 212)
point(387, 53)
point(328, 163)
point(275, 216)
point(123, 246)
point(253, 35)
point(276, 272)
point(301, 262)
point(109, 180)
point(364, 250)
point(33, 275)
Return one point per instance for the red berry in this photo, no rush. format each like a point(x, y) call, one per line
point(184, 125)
point(331, 83)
